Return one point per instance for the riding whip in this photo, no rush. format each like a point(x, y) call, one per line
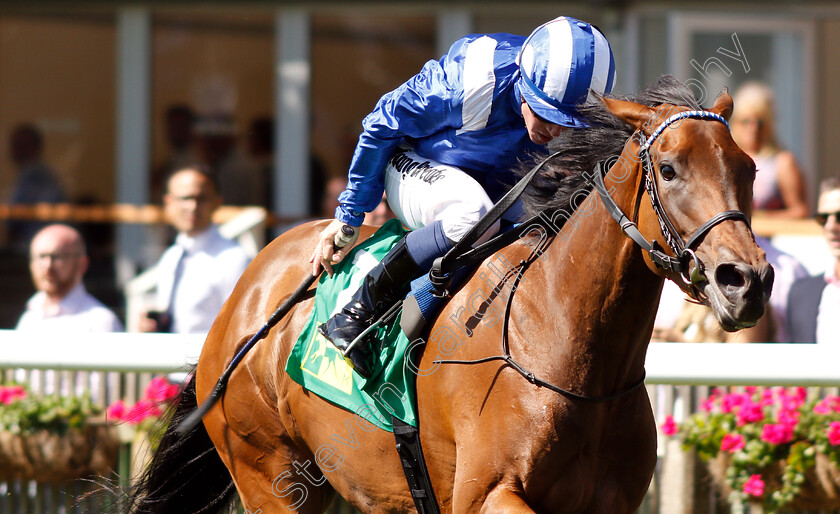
point(341, 240)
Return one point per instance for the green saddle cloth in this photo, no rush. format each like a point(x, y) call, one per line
point(318, 366)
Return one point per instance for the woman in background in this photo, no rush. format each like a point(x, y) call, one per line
point(779, 189)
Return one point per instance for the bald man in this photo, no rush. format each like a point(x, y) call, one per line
point(58, 260)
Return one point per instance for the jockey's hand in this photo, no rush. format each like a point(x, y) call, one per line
point(328, 251)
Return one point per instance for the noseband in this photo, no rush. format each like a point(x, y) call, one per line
point(683, 251)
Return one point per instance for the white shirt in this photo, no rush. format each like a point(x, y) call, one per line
point(76, 312)
point(828, 315)
point(787, 270)
point(211, 267)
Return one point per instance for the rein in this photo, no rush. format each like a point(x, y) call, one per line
point(509, 360)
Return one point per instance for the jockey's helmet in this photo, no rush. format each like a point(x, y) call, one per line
point(559, 63)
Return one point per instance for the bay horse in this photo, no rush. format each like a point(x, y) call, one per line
point(580, 322)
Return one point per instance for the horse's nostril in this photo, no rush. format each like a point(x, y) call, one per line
point(728, 275)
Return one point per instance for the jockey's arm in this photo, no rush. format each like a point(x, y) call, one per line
point(422, 106)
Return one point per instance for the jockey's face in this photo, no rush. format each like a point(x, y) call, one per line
point(540, 131)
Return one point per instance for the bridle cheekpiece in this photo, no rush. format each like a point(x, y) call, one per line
point(683, 251)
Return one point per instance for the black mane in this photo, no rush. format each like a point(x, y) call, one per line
point(555, 186)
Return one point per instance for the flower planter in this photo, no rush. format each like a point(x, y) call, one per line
point(50, 457)
point(820, 491)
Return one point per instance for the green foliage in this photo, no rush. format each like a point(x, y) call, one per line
point(767, 438)
point(27, 413)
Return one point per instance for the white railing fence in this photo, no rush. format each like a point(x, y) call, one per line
point(678, 376)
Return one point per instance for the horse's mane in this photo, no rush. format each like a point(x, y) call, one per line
point(556, 185)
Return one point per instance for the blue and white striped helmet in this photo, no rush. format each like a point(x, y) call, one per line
point(559, 63)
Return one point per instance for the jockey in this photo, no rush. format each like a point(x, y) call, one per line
point(442, 145)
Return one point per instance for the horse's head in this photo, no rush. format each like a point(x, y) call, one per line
point(702, 182)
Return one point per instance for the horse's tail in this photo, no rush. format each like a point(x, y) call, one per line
point(185, 474)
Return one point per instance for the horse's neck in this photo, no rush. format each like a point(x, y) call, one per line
point(609, 297)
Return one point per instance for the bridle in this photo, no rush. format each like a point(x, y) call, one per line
point(683, 251)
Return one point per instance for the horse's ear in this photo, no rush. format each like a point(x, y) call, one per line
point(633, 114)
point(723, 104)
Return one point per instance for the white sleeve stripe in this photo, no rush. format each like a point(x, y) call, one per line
point(479, 82)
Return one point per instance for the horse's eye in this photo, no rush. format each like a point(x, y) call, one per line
point(667, 171)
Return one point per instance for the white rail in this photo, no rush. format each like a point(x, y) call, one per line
point(743, 364)
point(123, 352)
point(667, 363)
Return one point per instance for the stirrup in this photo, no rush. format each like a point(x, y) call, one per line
point(385, 318)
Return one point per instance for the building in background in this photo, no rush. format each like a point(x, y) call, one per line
point(98, 78)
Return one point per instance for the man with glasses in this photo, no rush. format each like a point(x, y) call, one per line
point(58, 262)
point(199, 271)
point(814, 302)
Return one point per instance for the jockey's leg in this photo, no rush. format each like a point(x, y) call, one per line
point(441, 203)
point(384, 285)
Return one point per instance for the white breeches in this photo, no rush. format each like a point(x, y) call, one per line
point(421, 191)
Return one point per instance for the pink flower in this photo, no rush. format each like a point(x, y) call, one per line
point(750, 412)
point(822, 407)
point(708, 404)
point(788, 417)
point(670, 426)
point(732, 443)
point(160, 390)
point(834, 433)
point(754, 486)
point(142, 410)
point(116, 411)
point(730, 401)
point(767, 397)
point(794, 399)
point(8, 394)
point(828, 405)
point(774, 433)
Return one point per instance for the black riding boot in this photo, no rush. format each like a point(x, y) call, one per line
point(387, 283)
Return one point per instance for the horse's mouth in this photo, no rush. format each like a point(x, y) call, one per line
point(730, 324)
point(736, 308)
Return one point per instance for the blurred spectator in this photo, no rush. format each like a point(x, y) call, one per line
point(36, 182)
point(58, 261)
point(261, 153)
point(199, 271)
point(317, 183)
point(380, 214)
point(329, 200)
point(779, 189)
point(814, 302)
point(179, 123)
point(787, 270)
point(240, 181)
